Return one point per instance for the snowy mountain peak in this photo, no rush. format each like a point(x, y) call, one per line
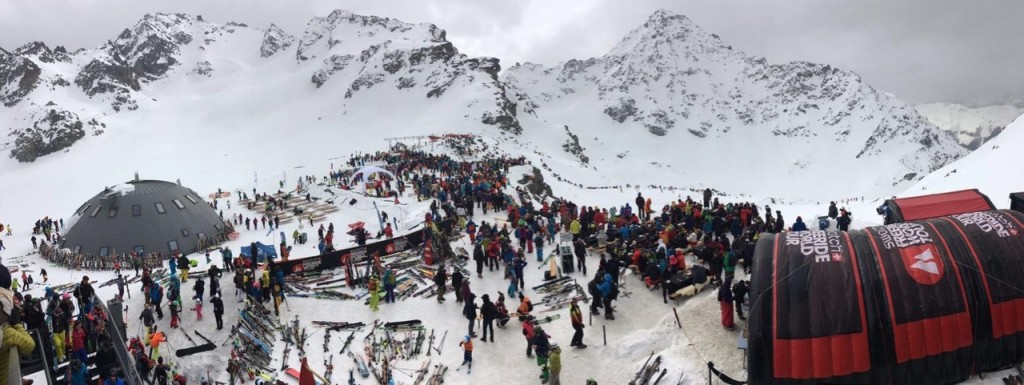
point(670, 78)
point(275, 39)
point(667, 30)
point(42, 52)
point(343, 32)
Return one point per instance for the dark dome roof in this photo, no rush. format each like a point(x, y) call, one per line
point(145, 216)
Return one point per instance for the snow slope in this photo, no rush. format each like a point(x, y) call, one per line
point(972, 126)
point(673, 104)
point(993, 169)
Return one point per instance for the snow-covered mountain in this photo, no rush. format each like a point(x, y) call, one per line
point(669, 106)
point(973, 127)
point(999, 156)
point(676, 94)
point(351, 52)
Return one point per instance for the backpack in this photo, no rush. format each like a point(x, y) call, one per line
point(592, 288)
point(529, 305)
point(614, 292)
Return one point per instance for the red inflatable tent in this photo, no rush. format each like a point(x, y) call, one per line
point(927, 302)
point(938, 205)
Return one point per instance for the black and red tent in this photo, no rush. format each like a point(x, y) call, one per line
point(1017, 201)
point(923, 302)
point(937, 205)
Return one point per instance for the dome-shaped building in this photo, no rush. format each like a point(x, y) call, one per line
point(143, 216)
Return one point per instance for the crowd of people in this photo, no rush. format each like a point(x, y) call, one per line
point(654, 239)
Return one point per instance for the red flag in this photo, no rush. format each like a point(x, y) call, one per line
point(306, 375)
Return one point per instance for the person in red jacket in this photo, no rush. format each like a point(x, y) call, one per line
point(78, 343)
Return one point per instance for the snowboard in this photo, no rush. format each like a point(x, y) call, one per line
point(548, 319)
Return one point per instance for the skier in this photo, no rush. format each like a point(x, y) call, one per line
point(199, 287)
point(580, 249)
point(120, 288)
point(595, 303)
point(833, 212)
point(529, 332)
point(525, 307)
point(502, 312)
point(555, 364)
point(154, 343)
point(161, 371)
point(469, 310)
point(739, 290)
point(199, 309)
point(478, 256)
point(146, 316)
point(539, 243)
point(175, 307)
point(707, 197)
point(441, 280)
point(78, 343)
point(156, 294)
point(609, 289)
point(489, 312)
point(42, 272)
point(542, 345)
point(457, 284)
point(576, 317)
point(389, 285)
point(467, 353)
point(218, 310)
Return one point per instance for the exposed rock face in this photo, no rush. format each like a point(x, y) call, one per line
point(18, 77)
point(54, 130)
point(275, 40)
point(369, 51)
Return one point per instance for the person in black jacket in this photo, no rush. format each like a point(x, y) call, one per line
point(580, 249)
point(218, 310)
point(441, 280)
point(833, 212)
point(478, 256)
point(457, 284)
point(740, 290)
point(489, 313)
point(844, 221)
point(469, 310)
point(640, 207)
point(84, 294)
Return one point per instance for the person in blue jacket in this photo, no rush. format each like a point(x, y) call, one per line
point(608, 291)
point(799, 225)
point(156, 294)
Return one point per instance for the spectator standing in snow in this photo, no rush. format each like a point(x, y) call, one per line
point(725, 301)
point(576, 317)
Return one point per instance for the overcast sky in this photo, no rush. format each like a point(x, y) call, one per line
point(968, 51)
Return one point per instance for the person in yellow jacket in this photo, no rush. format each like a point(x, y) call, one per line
point(574, 228)
point(14, 335)
point(554, 365)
